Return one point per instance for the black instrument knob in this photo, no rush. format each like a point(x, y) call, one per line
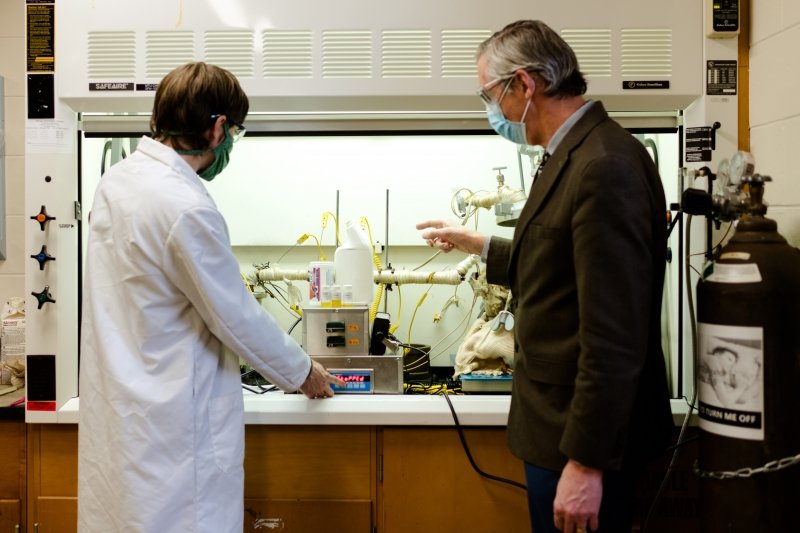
point(43, 257)
point(44, 296)
point(42, 218)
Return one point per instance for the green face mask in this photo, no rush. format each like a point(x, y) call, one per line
point(222, 155)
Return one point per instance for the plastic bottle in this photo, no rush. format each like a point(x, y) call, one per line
point(353, 264)
point(347, 296)
point(320, 274)
point(325, 298)
point(336, 296)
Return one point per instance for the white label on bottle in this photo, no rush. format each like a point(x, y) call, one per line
point(725, 273)
point(320, 275)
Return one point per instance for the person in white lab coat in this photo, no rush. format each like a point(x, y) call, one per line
point(161, 434)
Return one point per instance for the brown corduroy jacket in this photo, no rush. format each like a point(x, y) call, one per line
point(586, 268)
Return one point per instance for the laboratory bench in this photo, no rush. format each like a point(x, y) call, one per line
point(356, 463)
point(360, 463)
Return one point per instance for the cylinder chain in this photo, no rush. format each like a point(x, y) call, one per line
point(772, 466)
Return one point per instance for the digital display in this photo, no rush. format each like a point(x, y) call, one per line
point(353, 378)
point(355, 381)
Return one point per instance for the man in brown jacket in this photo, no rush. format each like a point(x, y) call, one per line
point(590, 401)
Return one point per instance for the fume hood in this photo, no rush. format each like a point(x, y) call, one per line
point(369, 110)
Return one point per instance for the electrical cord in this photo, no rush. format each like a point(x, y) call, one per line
point(693, 323)
point(422, 364)
point(396, 325)
point(279, 296)
point(436, 388)
point(414, 313)
point(261, 389)
point(428, 260)
point(280, 291)
point(453, 300)
point(472, 462)
point(719, 244)
point(325, 216)
point(376, 302)
point(679, 444)
point(455, 329)
point(246, 282)
point(253, 379)
point(299, 319)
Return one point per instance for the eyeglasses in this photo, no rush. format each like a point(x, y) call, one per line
point(486, 96)
point(239, 129)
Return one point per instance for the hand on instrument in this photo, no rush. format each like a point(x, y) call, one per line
point(447, 236)
point(319, 381)
point(576, 508)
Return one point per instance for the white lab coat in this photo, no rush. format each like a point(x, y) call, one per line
point(161, 435)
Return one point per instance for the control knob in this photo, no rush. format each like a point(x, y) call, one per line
point(42, 218)
point(43, 257)
point(44, 296)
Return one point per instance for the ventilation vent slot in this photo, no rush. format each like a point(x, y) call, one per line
point(347, 54)
point(647, 52)
point(593, 49)
point(287, 54)
point(231, 50)
point(458, 52)
point(406, 54)
point(166, 50)
point(112, 54)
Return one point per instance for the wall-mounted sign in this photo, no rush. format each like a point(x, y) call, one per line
point(698, 144)
point(645, 84)
point(41, 20)
point(111, 86)
point(721, 78)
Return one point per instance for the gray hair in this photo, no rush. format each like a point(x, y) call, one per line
point(533, 46)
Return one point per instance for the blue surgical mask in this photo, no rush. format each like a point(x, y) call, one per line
point(513, 131)
point(222, 155)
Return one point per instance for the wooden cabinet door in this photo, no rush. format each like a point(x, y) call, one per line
point(310, 462)
point(310, 478)
point(13, 467)
point(429, 485)
point(57, 515)
point(10, 516)
point(301, 516)
point(53, 478)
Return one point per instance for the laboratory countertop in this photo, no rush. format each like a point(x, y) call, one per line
point(277, 408)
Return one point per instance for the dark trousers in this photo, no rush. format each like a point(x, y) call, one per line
point(615, 507)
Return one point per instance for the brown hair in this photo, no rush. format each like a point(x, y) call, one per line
point(187, 98)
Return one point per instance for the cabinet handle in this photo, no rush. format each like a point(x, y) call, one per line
point(35, 528)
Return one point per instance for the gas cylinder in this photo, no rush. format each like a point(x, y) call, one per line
point(748, 379)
